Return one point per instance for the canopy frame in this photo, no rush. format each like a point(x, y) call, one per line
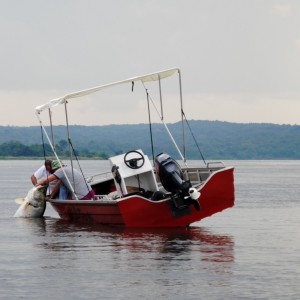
point(157, 76)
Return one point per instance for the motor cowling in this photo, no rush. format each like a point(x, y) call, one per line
point(171, 175)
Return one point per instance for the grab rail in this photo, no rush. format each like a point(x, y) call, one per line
point(104, 175)
point(216, 162)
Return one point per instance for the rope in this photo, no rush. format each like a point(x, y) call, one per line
point(193, 136)
point(43, 143)
point(74, 152)
point(150, 126)
point(44, 150)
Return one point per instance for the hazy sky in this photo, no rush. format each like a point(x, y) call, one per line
point(240, 59)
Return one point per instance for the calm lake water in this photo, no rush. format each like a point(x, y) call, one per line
point(251, 251)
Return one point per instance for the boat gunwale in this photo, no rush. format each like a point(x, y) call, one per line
point(107, 201)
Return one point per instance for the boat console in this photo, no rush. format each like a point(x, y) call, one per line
point(133, 172)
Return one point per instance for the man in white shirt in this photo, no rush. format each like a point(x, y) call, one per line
point(43, 173)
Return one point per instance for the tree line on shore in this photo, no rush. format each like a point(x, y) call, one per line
point(214, 139)
point(15, 149)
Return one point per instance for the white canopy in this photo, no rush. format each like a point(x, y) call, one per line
point(146, 78)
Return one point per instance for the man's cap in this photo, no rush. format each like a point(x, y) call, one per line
point(55, 164)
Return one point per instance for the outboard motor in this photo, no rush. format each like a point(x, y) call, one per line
point(173, 181)
point(170, 175)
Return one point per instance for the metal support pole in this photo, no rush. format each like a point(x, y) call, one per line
point(182, 118)
point(69, 139)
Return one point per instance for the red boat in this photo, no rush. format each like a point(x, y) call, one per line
point(136, 192)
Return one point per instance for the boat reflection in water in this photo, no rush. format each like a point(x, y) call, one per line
point(169, 244)
point(105, 262)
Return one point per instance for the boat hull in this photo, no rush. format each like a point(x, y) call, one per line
point(217, 194)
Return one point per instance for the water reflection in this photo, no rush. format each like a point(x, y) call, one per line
point(33, 225)
point(173, 244)
point(178, 254)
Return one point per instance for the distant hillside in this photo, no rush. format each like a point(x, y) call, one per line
point(217, 140)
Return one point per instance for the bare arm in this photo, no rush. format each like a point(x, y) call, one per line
point(55, 189)
point(47, 180)
point(33, 180)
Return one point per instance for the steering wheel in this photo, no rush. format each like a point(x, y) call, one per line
point(136, 162)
